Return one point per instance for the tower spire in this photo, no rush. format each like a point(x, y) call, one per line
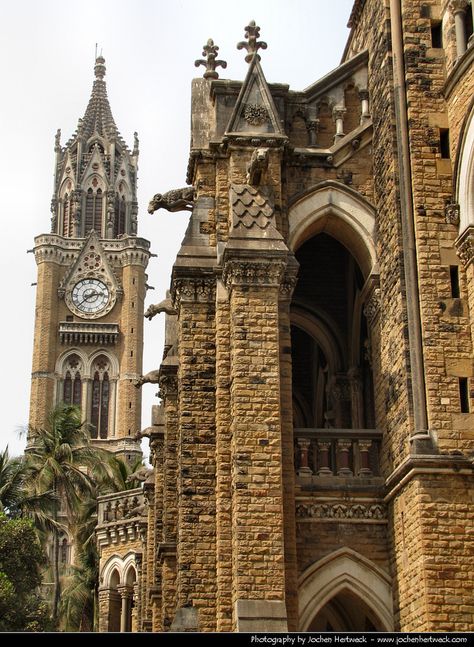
point(96, 172)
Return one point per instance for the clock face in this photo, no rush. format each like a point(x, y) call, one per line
point(90, 296)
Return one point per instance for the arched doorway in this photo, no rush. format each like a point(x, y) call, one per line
point(345, 591)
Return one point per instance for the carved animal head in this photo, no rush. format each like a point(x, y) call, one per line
point(155, 203)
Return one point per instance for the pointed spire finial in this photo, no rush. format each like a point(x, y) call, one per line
point(252, 32)
point(210, 50)
point(99, 68)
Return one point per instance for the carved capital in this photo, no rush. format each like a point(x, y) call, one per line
point(168, 386)
point(457, 6)
point(192, 290)
point(451, 213)
point(338, 113)
point(465, 246)
point(265, 273)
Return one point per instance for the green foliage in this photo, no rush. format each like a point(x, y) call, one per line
point(21, 558)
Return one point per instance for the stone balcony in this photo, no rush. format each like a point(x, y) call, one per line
point(122, 517)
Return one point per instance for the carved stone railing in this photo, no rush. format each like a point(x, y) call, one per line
point(122, 517)
point(348, 453)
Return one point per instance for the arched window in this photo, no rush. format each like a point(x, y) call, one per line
point(72, 381)
point(120, 213)
point(93, 213)
point(67, 216)
point(64, 551)
point(100, 404)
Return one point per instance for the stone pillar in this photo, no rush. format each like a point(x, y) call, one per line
point(257, 500)
point(288, 467)
point(194, 297)
point(167, 559)
point(126, 594)
point(324, 447)
point(364, 448)
point(338, 116)
point(459, 8)
point(223, 461)
point(303, 445)
point(109, 610)
point(312, 126)
point(343, 457)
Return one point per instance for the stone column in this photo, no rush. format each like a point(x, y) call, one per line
point(459, 8)
point(288, 468)
point(194, 298)
point(343, 459)
point(324, 447)
point(338, 116)
point(258, 581)
point(364, 448)
point(126, 594)
point(303, 450)
point(223, 461)
point(167, 559)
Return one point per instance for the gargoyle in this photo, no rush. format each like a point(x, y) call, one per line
point(144, 433)
point(156, 308)
point(175, 200)
point(257, 166)
point(141, 474)
point(152, 377)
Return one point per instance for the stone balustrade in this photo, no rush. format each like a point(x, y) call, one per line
point(337, 452)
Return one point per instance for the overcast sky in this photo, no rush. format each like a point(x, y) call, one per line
point(47, 54)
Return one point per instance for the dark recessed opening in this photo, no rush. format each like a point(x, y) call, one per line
point(444, 143)
point(436, 35)
point(464, 394)
point(468, 23)
point(69, 318)
point(454, 278)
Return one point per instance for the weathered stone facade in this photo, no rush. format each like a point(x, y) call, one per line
point(313, 456)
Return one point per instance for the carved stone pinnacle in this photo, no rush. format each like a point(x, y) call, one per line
point(210, 50)
point(252, 32)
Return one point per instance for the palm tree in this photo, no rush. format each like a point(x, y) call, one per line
point(61, 460)
point(12, 478)
point(17, 498)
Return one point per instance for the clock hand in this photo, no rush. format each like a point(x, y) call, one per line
point(87, 297)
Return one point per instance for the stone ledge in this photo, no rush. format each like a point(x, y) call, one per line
point(267, 616)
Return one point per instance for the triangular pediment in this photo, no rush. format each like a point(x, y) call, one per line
point(95, 167)
point(255, 111)
point(91, 263)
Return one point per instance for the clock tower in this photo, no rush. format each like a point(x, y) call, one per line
point(91, 285)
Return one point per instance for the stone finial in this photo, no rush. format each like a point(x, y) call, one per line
point(252, 32)
point(57, 140)
point(210, 50)
point(99, 68)
point(135, 143)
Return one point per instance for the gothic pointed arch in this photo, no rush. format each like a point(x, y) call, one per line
point(335, 209)
point(70, 369)
point(465, 175)
point(349, 573)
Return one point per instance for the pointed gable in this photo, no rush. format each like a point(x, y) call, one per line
point(91, 263)
point(255, 111)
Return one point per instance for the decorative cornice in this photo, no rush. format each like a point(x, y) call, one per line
point(342, 511)
point(264, 273)
point(414, 466)
point(465, 246)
